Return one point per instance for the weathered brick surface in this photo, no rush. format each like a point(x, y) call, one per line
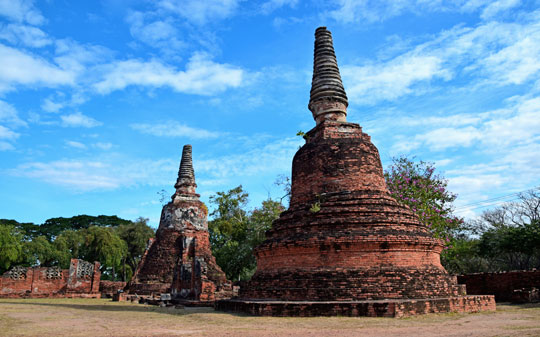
point(80, 280)
point(359, 244)
point(109, 288)
point(179, 260)
point(502, 285)
point(344, 238)
point(381, 308)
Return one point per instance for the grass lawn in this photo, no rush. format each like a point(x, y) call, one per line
point(102, 317)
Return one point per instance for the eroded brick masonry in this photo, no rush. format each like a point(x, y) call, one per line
point(179, 260)
point(515, 286)
point(80, 280)
point(344, 239)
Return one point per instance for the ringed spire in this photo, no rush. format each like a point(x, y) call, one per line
point(328, 100)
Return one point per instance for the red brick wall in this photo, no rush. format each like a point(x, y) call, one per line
point(500, 284)
point(108, 288)
point(43, 281)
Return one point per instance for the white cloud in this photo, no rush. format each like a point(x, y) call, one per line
point(6, 133)
point(493, 53)
point(200, 12)
point(50, 106)
point(160, 33)
point(447, 120)
point(77, 119)
point(22, 68)
point(444, 138)
point(77, 145)
point(26, 35)
point(59, 101)
point(105, 174)
point(202, 76)
point(498, 130)
point(5, 146)
point(495, 7)
point(174, 129)
point(271, 5)
point(103, 146)
point(390, 80)
point(21, 11)
point(79, 58)
point(372, 11)
point(271, 157)
point(9, 115)
point(510, 171)
point(258, 156)
point(517, 62)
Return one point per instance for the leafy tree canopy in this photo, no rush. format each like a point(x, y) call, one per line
point(236, 231)
point(417, 185)
point(10, 247)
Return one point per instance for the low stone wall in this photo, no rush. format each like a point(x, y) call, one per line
point(80, 280)
point(502, 284)
point(109, 288)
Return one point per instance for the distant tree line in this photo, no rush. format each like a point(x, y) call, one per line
point(116, 243)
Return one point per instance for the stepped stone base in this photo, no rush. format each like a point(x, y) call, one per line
point(369, 308)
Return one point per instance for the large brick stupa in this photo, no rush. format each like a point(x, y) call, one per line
point(345, 246)
point(179, 260)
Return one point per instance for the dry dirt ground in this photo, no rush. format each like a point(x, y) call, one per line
point(102, 317)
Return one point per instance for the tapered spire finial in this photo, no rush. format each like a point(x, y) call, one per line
point(185, 185)
point(328, 100)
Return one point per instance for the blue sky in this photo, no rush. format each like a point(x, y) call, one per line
point(97, 98)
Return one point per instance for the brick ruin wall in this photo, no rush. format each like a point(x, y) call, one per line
point(109, 288)
point(503, 285)
point(82, 279)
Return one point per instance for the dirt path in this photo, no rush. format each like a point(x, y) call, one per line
point(91, 317)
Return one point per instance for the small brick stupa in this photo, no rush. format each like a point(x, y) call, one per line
point(345, 246)
point(179, 260)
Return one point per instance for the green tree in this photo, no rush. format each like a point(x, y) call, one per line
point(501, 239)
point(40, 252)
point(10, 247)
point(104, 245)
point(69, 244)
point(417, 185)
point(51, 228)
point(30, 230)
point(235, 231)
point(228, 231)
point(136, 235)
point(510, 234)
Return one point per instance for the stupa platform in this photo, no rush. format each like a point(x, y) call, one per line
point(369, 308)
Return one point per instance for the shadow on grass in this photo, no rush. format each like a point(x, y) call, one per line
point(119, 307)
